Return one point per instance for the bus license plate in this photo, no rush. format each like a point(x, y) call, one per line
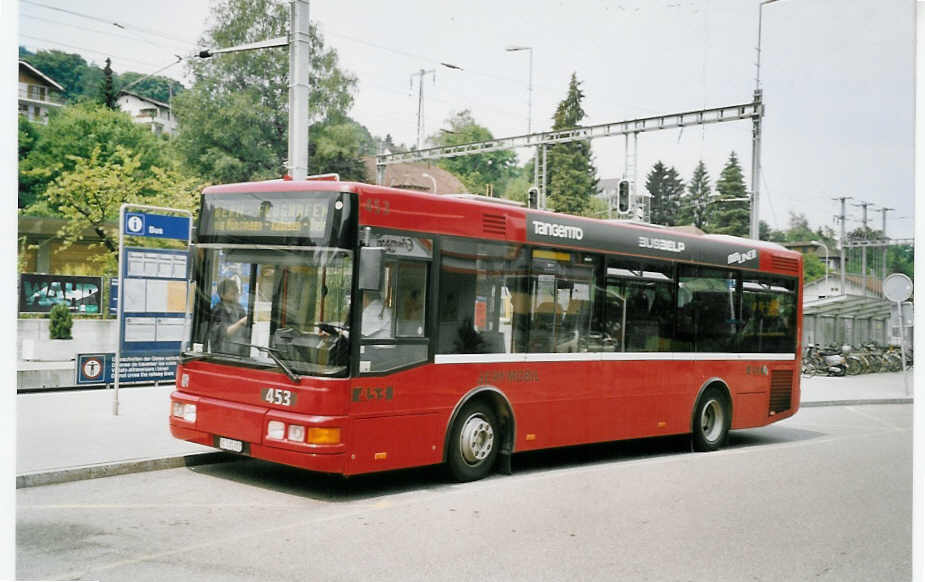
point(230, 445)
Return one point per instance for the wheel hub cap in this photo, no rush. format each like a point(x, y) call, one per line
point(476, 439)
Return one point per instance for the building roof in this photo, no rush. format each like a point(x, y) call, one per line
point(41, 75)
point(411, 176)
point(143, 98)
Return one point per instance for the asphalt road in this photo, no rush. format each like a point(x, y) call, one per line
point(826, 495)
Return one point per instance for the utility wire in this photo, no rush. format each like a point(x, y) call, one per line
point(96, 31)
point(80, 48)
point(105, 21)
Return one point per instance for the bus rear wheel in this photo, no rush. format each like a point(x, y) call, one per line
point(711, 421)
point(474, 442)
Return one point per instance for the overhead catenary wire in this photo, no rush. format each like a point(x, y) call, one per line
point(80, 48)
point(120, 25)
point(96, 31)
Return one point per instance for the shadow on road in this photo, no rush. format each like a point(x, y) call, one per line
point(334, 488)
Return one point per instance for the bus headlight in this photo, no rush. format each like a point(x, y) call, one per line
point(184, 410)
point(189, 412)
point(296, 433)
point(276, 430)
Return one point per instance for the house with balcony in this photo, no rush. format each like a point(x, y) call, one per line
point(150, 112)
point(38, 93)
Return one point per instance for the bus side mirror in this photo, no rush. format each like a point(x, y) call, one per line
point(371, 260)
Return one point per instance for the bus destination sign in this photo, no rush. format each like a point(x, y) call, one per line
point(266, 214)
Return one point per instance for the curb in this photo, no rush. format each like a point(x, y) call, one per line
point(856, 402)
point(121, 468)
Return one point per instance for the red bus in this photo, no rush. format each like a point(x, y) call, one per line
point(349, 328)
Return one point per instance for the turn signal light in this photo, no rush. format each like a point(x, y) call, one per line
point(323, 436)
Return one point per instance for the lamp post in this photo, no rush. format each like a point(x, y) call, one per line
point(515, 48)
point(758, 61)
point(823, 245)
point(426, 175)
point(756, 134)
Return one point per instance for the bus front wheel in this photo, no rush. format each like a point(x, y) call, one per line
point(474, 442)
point(711, 421)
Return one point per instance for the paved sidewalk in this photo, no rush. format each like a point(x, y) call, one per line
point(65, 436)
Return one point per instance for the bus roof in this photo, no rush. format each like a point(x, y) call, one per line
point(481, 217)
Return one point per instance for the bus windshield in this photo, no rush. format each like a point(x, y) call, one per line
point(274, 306)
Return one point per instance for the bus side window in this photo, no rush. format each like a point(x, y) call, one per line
point(714, 309)
point(393, 319)
point(478, 300)
point(648, 288)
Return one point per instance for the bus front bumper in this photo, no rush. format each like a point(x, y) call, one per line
point(260, 432)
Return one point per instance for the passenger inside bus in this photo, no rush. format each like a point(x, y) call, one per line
point(227, 323)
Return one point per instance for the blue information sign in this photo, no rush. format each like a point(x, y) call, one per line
point(156, 225)
point(100, 368)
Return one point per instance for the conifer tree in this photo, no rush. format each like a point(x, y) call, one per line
point(108, 92)
point(695, 203)
point(570, 174)
point(666, 188)
point(730, 205)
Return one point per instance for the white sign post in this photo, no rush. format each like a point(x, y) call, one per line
point(898, 288)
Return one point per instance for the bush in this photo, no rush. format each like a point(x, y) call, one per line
point(61, 322)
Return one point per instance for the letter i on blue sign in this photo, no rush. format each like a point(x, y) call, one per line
point(134, 223)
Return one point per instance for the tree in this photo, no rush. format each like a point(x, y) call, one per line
point(666, 188)
point(107, 91)
point(475, 171)
point(571, 176)
point(90, 193)
point(338, 145)
point(730, 205)
point(75, 132)
point(693, 207)
point(158, 88)
point(233, 122)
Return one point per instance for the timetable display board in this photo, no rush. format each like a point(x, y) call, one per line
point(154, 299)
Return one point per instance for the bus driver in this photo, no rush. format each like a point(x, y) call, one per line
point(227, 322)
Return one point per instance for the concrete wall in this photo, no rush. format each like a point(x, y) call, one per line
point(90, 335)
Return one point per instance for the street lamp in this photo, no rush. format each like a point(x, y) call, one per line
point(758, 61)
point(515, 48)
point(426, 175)
point(823, 245)
point(756, 135)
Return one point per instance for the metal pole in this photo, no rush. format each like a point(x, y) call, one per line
point(756, 163)
point(119, 308)
point(884, 210)
point(902, 344)
point(299, 67)
point(530, 97)
point(842, 244)
point(545, 173)
point(420, 104)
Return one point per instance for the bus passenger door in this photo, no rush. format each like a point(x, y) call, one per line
point(393, 322)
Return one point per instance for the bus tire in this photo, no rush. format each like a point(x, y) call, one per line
point(712, 417)
point(474, 442)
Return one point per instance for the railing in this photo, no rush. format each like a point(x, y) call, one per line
point(40, 94)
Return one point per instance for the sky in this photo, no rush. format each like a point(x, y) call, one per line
point(837, 77)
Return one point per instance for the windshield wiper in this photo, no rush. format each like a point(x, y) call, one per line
point(275, 357)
